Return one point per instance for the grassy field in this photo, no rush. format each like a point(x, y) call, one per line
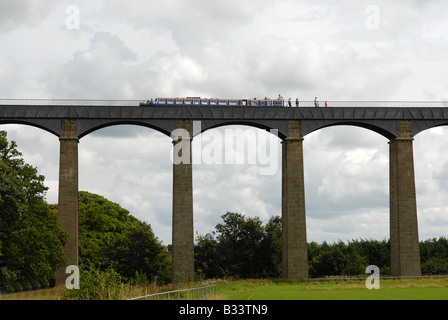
point(266, 289)
point(335, 290)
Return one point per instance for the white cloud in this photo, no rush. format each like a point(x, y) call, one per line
point(344, 191)
point(98, 72)
point(10, 74)
point(430, 152)
point(41, 150)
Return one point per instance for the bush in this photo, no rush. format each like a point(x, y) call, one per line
point(26, 285)
point(109, 237)
point(7, 280)
point(96, 285)
point(435, 265)
point(44, 283)
point(337, 263)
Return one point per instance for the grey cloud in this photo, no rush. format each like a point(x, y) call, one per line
point(15, 13)
point(441, 176)
point(123, 132)
point(108, 70)
point(100, 72)
point(351, 138)
point(346, 172)
point(114, 43)
point(338, 72)
point(194, 25)
point(10, 75)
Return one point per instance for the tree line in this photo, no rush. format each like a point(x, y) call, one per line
point(243, 247)
point(110, 238)
point(30, 239)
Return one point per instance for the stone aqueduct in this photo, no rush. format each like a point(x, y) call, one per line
point(398, 122)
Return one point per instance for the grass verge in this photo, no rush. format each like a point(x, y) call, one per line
point(427, 289)
point(275, 289)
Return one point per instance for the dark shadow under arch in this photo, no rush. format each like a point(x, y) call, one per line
point(258, 125)
point(389, 133)
point(85, 128)
point(54, 127)
point(422, 126)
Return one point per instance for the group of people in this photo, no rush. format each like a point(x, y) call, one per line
point(147, 103)
point(316, 102)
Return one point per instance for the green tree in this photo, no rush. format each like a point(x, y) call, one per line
point(240, 247)
point(434, 248)
point(109, 237)
point(375, 252)
point(335, 262)
point(139, 252)
point(239, 244)
point(434, 256)
point(206, 257)
point(31, 240)
point(271, 248)
point(435, 265)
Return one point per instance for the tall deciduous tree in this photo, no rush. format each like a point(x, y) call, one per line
point(240, 247)
point(110, 237)
point(31, 240)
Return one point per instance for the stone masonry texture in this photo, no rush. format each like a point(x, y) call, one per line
point(294, 245)
point(404, 240)
point(183, 237)
point(68, 193)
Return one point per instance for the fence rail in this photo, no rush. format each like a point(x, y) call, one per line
point(197, 293)
point(69, 102)
point(371, 104)
point(108, 103)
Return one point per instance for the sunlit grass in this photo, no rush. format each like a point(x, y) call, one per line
point(277, 289)
point(425, 289)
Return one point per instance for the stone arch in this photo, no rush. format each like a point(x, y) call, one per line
point(86, 126)
point(388, 129)
point(51, 126)
point(419, 126)
point(280, 126)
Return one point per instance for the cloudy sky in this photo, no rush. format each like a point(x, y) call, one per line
point(335, 50)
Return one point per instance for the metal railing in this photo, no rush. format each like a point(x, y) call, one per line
point(197, 293)
point(371, 104)
point(93, 102)
point(69, 102)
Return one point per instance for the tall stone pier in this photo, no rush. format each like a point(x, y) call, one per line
point(404, 241)
point(294, 246)
point(68, 193)
point(183, 237)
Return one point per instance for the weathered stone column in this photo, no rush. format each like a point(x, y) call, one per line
point(294, 246)
point(183, 237)
point(404, 241)
point(68, 193)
